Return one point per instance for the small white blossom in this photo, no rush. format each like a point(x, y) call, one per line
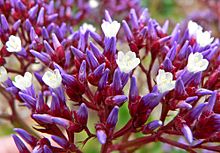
point(3, 74)
point(52, 78)
point(204, 38)
point(197, 63)
point(127, 62)
point(93, 3)
point(193, 27)
point(23, 82)
point(165, 81)
point(110, 29)
point(14, 44)
point(86, 27)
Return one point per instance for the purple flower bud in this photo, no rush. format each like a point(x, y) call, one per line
point(29, 101)
point(103, 80)
point(38, 77)
point(20, 145)
point(113, 118)
point(116, 100)
point(107, 16)
point(127, 31)
point(167, 64)
point(82, 73)
point(31, 140)
point(183, 104)
point(41, 56)
point(68, 79)
point(187, 133)
point(96, 52)
point(21, 6)
point(196, 79)
point(45, 118)
point(191, 99)
point(48, 48)
point(165, 26)
point(164, 39)
point(45, 33)
point(116, 83)
point(194, 113)
point(203, 91)
point(99, 71)
point(133, 92)
point(149, 101)
point(102, 137)
point(144, 16)
point(40, 18)
point(183, 51)
point(47, 149)
point(55, 104)
point(134, 20)
point(52, 17)
point(82, 114)
point(4, 23)
point(172, 52)
point(40, 103)
point(151, 29)
point(211, 102)
point(16, 25)
point(50, 7)
point(62, 122)
point(33, 12)
point(12, 90)
point(60, 141)
point(213, 51)
point(152, 126)
point(110, 47)
point(77, 53)
point(96, 37)
point(56, 42)
point(179, 87)
point(93, 62)
point(33, 34)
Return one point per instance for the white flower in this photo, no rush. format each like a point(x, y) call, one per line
point(165, 81)
point(193, 27)
point(1, 45)
point(127, 62)
point(86, 27)
point(204, 38)
point(23, 82)
point(197, 63)
point(14, 44)
point(52, 78)
point(110, 29)
point(93, 3)
point(3, 74)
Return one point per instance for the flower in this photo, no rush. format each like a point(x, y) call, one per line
point(23, 82)
point(197, 63)
point(86, 27)
point(193, 27)
point(14, 44)
point(204, 38)
point(127, 62)
point(165, 81)
point(52, 78)
point(110, 29)
point(3, 74)
point(93, 3)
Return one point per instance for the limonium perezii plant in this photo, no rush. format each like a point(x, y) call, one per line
point(85, 77)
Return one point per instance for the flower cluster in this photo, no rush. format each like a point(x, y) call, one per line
point(85, 68)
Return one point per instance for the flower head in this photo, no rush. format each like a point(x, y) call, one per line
point(52, 78)
point(23, 82)
point(165, 81)
point(93, 3)
point(197, 63)
point(110, 29)
point(14, 44)
point(204, 38)
point(3, 74)
point(193, 27)
point(127, 62)
point(86, 27)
